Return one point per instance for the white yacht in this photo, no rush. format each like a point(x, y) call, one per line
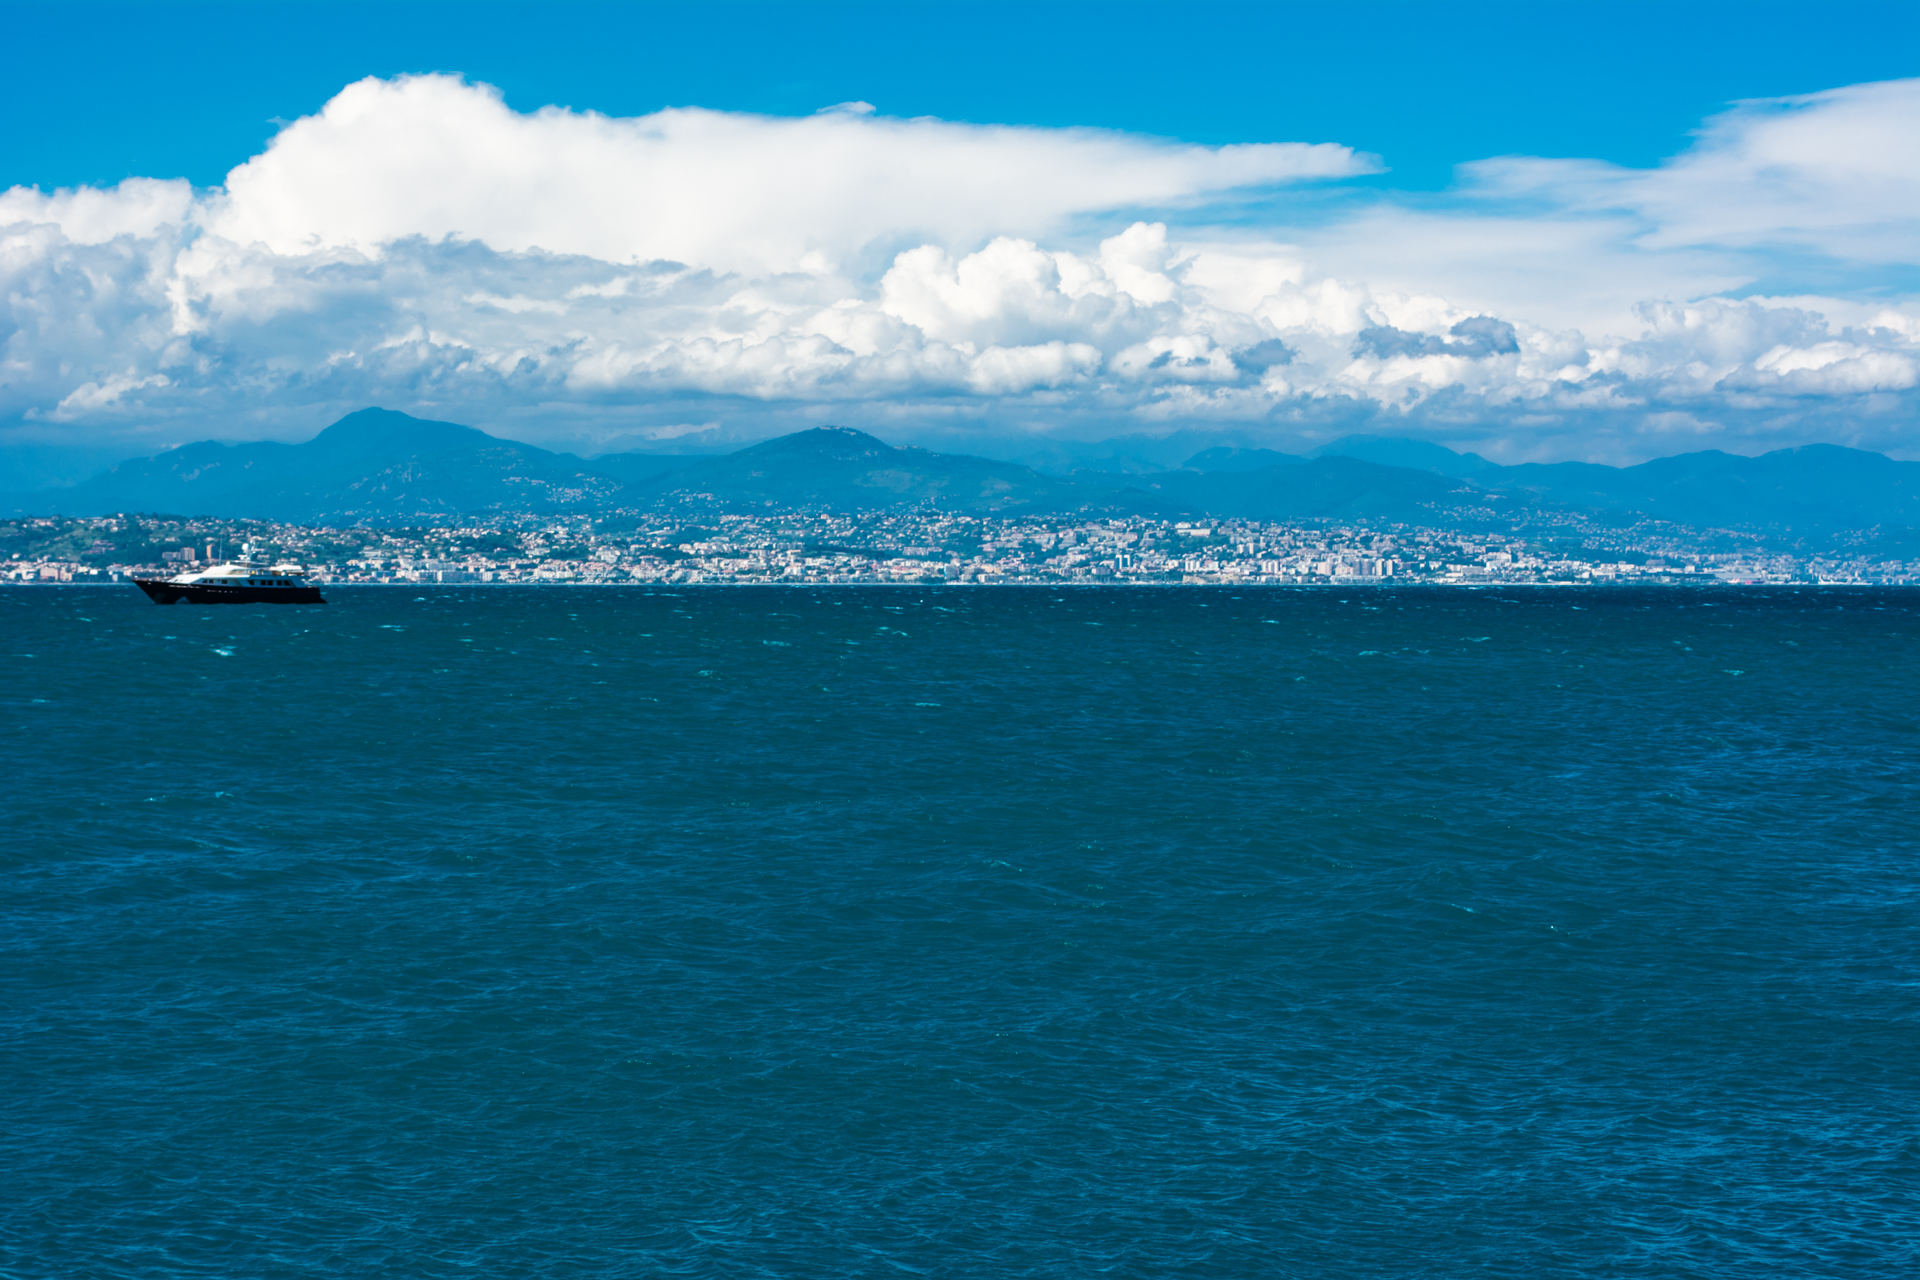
point(235, 582)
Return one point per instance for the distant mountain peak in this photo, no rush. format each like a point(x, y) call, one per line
point(845, 469)
point(374, 465)
point(390, 431)
point(824, 442)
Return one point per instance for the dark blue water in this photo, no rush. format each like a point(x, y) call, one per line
point(507, 932)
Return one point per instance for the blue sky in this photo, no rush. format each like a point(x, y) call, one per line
point(221, 227)
point(169, 90)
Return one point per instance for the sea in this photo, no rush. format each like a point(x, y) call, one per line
point(961, 932)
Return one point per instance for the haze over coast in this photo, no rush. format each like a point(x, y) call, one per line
point(383, 497)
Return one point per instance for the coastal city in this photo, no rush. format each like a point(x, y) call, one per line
point(924, 547)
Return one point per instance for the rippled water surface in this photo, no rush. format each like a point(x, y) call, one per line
point(857, 932)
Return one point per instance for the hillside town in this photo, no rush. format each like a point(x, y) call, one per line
point(922, 547)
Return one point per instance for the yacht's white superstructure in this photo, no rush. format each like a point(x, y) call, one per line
point(235, 582)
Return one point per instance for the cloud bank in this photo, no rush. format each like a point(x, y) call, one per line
point(561, 274)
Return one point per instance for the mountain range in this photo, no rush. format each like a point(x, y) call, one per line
point(372, 467)
point(378, 466)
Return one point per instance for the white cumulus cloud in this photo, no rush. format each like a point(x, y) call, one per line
point(418, 244)
point(433, 156)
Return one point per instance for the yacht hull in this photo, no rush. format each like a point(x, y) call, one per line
point(160, 591)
